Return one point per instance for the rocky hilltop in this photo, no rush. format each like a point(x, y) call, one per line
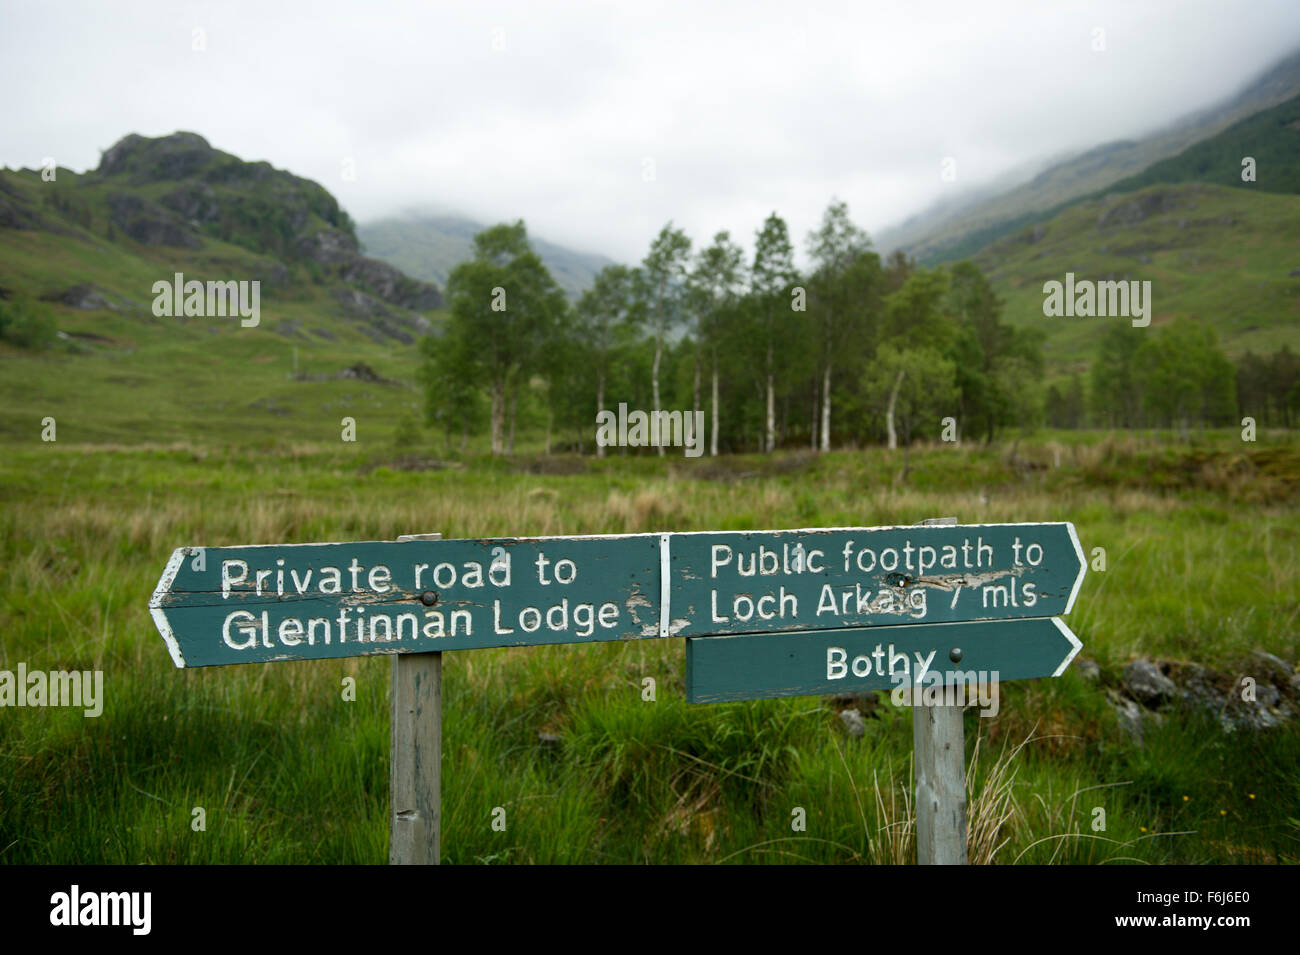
point(179, 192)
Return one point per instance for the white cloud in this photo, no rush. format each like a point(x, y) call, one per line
point(743, 108)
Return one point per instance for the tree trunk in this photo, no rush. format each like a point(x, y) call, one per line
point(713, 446)
point(498, 416)
point(511, 401)
point(812, 430)
point(659, 348)
point(769, 433)
point(697, 378)
point(769, 430)
point(826, 407)
point(600, 406)
point(889, 415)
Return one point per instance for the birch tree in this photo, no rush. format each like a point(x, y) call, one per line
point(914, 386)
point(833, 248)
point(771, 276)
point(503, 305)
point(603, 311)
point(663, 271)
point(715, 281)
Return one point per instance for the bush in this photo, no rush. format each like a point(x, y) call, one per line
point(25, 325)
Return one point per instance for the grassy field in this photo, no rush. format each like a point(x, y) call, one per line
point(1203, 565)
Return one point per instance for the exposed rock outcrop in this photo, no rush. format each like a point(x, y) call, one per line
point(1259, 693)
point(148, 222)
point(246, 203)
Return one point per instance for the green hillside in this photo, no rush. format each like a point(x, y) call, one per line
point(1227, 257)
point(82, 254)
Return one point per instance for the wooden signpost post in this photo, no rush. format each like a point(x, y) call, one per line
point(766, 613)
point(415, 755)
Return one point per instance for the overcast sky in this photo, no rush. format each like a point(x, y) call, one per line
point(598, 122)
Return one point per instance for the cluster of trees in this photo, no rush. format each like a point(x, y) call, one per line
point(851, 350)
point(1268, 388)
point(1173, 376)
point(1176, 376)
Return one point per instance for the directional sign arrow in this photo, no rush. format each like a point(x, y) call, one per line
point(875, 658)
point(261, 604)
point(769, 581)
point(226, 605)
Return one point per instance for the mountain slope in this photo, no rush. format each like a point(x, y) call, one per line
point(429, 246)
point(335, 335)
point(953, 229)
point(1271, 137)
point(1223, 256)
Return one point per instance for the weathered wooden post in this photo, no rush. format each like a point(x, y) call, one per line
point(939, 755)
point(415, 769)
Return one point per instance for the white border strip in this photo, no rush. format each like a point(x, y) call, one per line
point(1075, 645)
point(665, 584)
point(646, 536)
point(155, 603)
point(1083, 568)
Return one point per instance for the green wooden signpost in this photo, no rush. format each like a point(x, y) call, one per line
point(758, 609)
point(224, 605)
